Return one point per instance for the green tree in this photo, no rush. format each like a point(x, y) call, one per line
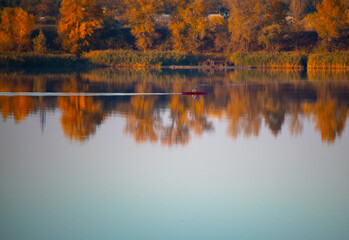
point(331, 17)
point(80, 19)
point(141, 16)
point(39, 43)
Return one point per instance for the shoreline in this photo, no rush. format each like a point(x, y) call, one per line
point(173, 60)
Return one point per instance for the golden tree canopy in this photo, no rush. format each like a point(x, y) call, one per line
point(189, 24)
point(141, 15)
point(80, 19)
point(15, 29)
point(244, 22)
point(331, 17)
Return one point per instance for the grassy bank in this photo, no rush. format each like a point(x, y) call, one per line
point(14, 60)
point(156, 59)
point(336, 60)
point(269, 60)
point(126, 58)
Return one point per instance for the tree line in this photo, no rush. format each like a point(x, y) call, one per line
point(180, 25)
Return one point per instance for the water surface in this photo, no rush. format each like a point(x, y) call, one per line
point(264, 155)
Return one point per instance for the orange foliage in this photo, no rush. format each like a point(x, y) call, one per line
point(331, 17)
point(15, 29)
point(80, 19)
point(141, 15)
point(189, 25)
point(244, 22)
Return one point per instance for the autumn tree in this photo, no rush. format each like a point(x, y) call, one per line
point(275, 14)
point(331, 17)
point(297, 8)
point(274, 26)
point(245, 21)
point(39, 43)
point(219, 33)
point(189, 24)
point(80, 19)
point(15, 28)
point(141, 16)
point(270, 36)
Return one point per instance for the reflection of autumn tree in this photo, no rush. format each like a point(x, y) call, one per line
point(80, 114)
point(244, 103)
point(198, 119)
point(274, 113)
point(178, 130)
point(329, 117)
point(243, 111)
point(186, 115)
point(19, 106)
point(141, 122)
point(296, 126)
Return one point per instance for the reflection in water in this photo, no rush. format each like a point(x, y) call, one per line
point(247, 99)
point(80, 114)
point(141, 121)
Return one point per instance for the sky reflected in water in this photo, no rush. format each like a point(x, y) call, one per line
point(263, 156)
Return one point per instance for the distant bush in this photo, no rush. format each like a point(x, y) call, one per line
point(334, 60)
point(147, 58)
point(269, 60)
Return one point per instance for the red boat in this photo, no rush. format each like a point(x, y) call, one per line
point(194, 93)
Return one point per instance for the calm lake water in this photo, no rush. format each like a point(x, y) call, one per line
point(264, 155)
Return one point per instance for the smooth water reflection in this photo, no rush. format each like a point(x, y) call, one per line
point(263, 156)
point(245, 99)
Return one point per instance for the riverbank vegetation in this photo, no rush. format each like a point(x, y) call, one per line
point(292, 60)
point(129, 58)
point(268, 34)
point(157, 59)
